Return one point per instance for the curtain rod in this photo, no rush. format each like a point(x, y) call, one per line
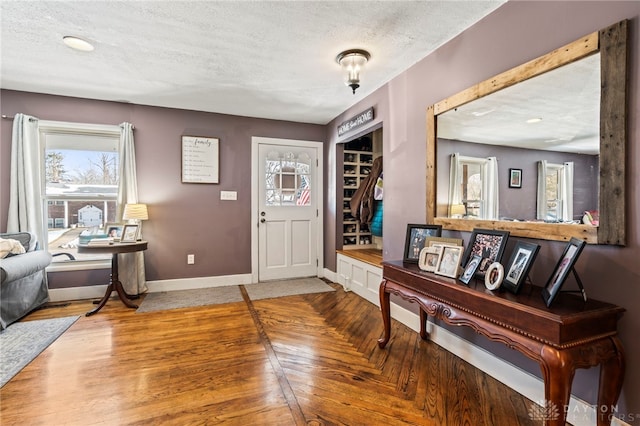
point(6, 117)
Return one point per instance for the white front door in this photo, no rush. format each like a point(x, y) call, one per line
point(288, 189)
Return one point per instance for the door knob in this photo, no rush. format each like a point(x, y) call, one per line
point(263, 220)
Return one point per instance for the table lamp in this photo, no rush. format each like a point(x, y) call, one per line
point(458, 210)
point(136, 213)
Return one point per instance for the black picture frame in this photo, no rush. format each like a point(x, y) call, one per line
point(517, 270)
point(415, 240)
point(489, 244)
point(515, 178)
point(563, 267)
point(470, 269)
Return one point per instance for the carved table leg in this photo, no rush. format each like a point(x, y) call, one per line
point(558, 371)
point(611, 376)
point(423, 324)
point(385, 308)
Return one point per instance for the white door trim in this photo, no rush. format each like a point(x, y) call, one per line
point(255, 142)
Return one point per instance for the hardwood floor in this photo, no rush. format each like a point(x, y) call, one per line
point(309, 359)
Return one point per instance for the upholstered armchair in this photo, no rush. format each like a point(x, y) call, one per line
point(23, 287)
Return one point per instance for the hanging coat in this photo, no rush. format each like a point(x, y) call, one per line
point(362, 201)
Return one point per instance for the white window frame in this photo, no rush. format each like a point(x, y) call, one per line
point(485, 178)
point(46, 127)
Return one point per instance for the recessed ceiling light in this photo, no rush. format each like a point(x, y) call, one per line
point(77, 43)
point(534, 120)
point(482, 113)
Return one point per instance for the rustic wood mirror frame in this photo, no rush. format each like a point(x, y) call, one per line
point(611, 42)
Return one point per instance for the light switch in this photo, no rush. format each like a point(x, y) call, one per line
point(229, 195)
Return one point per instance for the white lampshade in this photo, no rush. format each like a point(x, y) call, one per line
point(135, 211)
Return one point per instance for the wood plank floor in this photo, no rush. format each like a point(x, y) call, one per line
point(309, 359)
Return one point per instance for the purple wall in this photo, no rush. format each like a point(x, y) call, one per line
point(515, 33)
point(183, 218)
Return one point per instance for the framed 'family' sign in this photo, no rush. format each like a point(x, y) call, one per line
point(200, 159)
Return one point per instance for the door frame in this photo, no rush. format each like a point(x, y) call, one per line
point(256, 141)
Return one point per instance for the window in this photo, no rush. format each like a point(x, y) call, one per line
point(288, 179)
point(471, 187)
point(474, 185)
point(81, 172)
point(555, 192)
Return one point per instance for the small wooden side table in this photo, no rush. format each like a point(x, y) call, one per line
point(114, 283)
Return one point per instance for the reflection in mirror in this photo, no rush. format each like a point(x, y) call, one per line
point(473, 187)
point(521, 125)
point(560, 108)
point(555, 192)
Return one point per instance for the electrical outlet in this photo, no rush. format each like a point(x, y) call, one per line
point(191, 259)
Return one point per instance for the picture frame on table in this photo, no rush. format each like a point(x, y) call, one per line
point(129, 233)
point(442, 241)
point(449, 261)
point(489, 244)
point(517, 270)
point(429, 258)
point(114, 230)
point(416, 238)
point(515, 178)
point(563, 267)
point(470, 269)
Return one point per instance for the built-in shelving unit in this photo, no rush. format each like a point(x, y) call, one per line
point(358, 158)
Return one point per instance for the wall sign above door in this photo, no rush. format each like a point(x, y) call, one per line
point(355, 122)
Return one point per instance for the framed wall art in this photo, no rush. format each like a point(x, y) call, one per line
point(515, 178)
point(489, 245)
point(416, 238)
point(518, 267)
point(562, 269)
point(200, 159)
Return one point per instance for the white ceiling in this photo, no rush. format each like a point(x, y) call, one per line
point(267, 59)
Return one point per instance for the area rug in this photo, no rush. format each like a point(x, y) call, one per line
point(271, 289)
point(177, 299)
point(165, 300)
point(22, 342)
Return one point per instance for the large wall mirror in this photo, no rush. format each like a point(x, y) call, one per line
point(534, 148)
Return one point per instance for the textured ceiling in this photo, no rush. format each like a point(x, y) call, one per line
point(566, 101)
point(258, 59)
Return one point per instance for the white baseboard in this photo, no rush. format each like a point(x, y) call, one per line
point(200, 282)
point(330, 275)
point(97, 291)
point(77, 293)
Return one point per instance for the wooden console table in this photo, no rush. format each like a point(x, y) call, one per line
point(571, 334)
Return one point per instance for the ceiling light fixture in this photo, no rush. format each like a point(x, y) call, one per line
point(352, 62)
point(534, 120)
point(77, 43)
